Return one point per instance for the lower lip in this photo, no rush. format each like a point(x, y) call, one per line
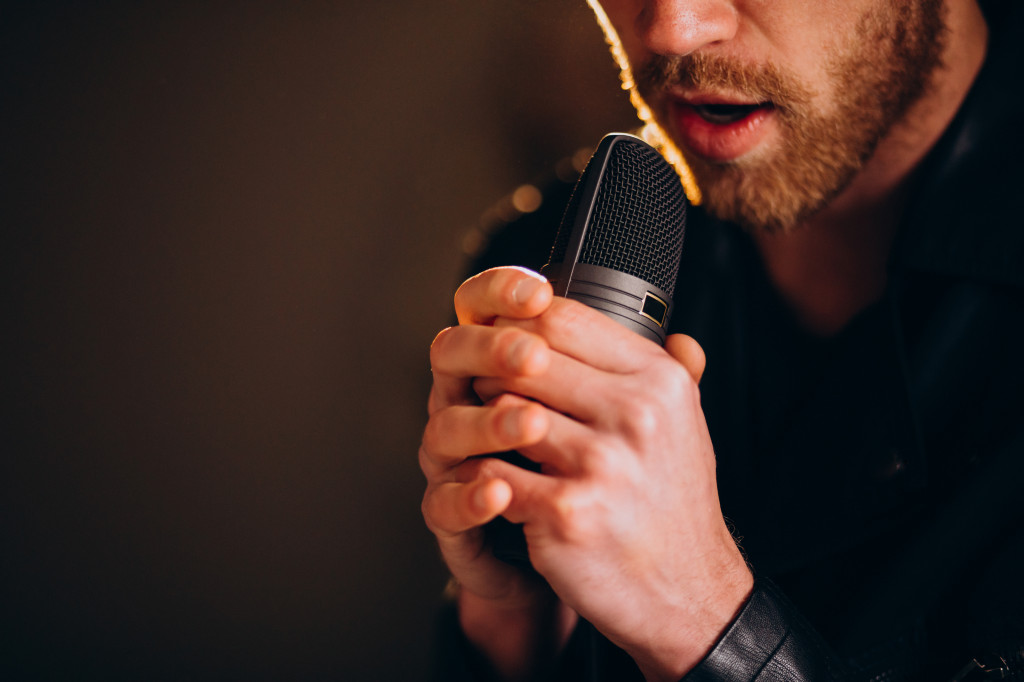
point(717, 141)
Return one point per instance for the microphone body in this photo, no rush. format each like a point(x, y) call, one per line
point(617, 250)
point(620, 241)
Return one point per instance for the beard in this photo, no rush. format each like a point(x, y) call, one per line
point(880, 72)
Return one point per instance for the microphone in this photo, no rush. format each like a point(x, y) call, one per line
point(617, 250)
point(621, 238)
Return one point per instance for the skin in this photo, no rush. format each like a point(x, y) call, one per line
point(623, 520)
point(619, 431)
point(831, 264)
point(817, 138)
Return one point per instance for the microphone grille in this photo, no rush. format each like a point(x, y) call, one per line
point(638, 217)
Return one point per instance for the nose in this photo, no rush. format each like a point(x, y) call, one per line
point(674, 28)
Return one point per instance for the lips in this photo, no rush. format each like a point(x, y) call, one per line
point(725, 114)
point(720, 130)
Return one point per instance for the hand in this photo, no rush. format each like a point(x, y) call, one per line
point(510, 615)
point(623, 520)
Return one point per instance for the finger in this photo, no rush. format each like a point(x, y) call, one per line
point(688, 353)
point(558, 443)
point(529, 490)
point(534, 497)
point(472, 350)
point(588, 335)
point(459, 353)
point(447, 391)
point(459, 432)
point(508, 291)
point(568, 386)
point(452, 508)
point(567, 449)
point(482, 489)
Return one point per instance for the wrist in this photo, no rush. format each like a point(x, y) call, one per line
point(519, 637)
point(691, 630)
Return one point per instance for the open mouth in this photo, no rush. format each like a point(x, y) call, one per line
point(721, 131)
point(724, 114)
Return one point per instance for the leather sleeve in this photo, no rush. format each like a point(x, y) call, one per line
point(768, 641)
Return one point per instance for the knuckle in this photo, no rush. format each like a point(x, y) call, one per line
point(570, 515)
point(444, 439)
point(658, 370)
point(441, 335)
point(461, 291)
point(464, 294)
point(439, 513)
point(426, 465)
point(640, 418)
point(676, 386)
point(564, 507)
point(434, 400)
point(426, 504)
point(429, 511)
point(687, 389)
point(429, 443)
point(596, 456)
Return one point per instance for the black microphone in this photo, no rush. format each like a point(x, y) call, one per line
point(620, 241)
point(617, 250)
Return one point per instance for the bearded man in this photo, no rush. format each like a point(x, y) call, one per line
point(853, 277)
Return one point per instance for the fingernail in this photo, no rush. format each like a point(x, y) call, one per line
point(526, 288)
point(519, 353)
point(510, 423)
point(480, 498)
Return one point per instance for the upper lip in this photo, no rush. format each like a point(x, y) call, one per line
point(696, 98)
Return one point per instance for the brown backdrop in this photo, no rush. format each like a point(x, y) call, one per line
point(231, 230)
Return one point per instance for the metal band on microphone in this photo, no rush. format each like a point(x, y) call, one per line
point(637, 304)
point(620, 241)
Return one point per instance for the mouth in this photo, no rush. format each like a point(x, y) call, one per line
point(720, 131)
point(727, 114)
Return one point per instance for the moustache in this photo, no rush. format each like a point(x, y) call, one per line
point(704, 72)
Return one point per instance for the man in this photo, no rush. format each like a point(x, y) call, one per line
point(854, 277)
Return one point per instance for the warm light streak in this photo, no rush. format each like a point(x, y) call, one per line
point(651, 132)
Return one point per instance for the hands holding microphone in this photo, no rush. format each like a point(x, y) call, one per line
point(622, 520)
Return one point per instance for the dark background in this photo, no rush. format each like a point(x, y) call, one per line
point(230, 231)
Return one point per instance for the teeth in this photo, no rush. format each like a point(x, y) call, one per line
point(725, 113)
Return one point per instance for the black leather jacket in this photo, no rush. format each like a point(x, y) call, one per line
point(875, 478)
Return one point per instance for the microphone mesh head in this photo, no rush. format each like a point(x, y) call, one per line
point(638, 216)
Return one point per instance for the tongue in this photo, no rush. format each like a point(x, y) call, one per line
point(723, 114)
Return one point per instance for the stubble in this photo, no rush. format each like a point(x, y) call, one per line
point(881, 71)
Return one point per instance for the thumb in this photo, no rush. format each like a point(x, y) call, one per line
point(688, 353)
